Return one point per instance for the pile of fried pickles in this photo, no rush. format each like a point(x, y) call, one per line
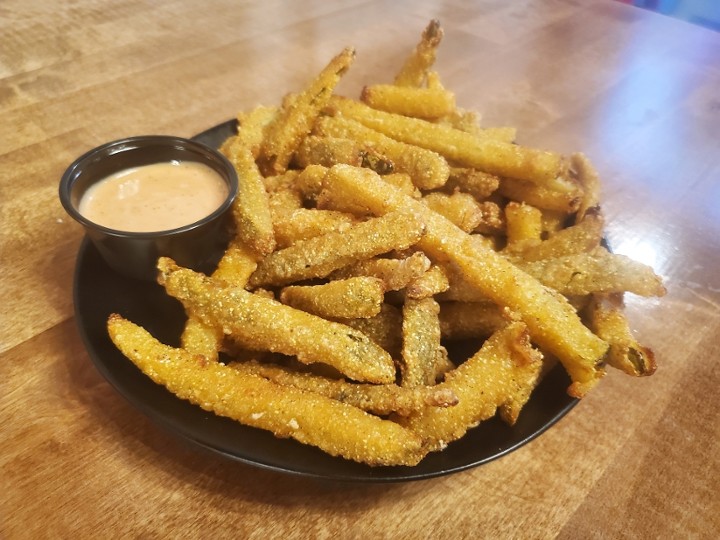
point(367, 235)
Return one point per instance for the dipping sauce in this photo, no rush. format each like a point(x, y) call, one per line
point(156, 197)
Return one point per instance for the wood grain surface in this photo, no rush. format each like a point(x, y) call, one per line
point(638, 92)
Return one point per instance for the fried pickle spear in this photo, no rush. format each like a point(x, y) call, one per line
point(303, 223)
point(320, 255)
point(203, 339)
point(564, 196)
point(609, 322)
point(582, 237)
point(294, 121)
point(329, 151)
point(251, 126)
point(460, 208)
point(523, 225)
point(501, 374)
point(358, 297)
point(589, 180)
point(421, 343)
point(425, 103)
point(385, 328)
point(552, 321)
point(335, 427)
point(414, 71)
point(251, 210)
point(477, 183)
point(381, 399)
point(261, 323)
point(432, 282)
point(491, 150)
point(596, 272)
point(466, 320)
point(428, 169)
point(235, 267)
point(396, 274)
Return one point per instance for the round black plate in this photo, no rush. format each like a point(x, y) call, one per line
point(99, 291)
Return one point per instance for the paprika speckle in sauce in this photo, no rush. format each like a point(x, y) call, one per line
point(156, 197)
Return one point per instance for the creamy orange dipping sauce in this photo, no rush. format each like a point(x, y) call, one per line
point(156, 197)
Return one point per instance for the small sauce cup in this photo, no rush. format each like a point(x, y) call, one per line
point(197, 245)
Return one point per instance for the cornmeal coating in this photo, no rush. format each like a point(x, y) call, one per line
point(335, 427)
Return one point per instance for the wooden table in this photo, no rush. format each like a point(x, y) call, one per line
point(638, 92)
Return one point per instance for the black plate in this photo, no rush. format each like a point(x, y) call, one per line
point(99, 291)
